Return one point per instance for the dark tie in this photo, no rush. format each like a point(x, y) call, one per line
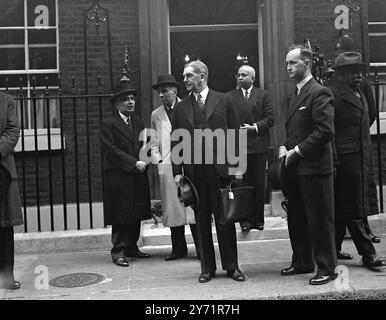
point(200, 102)
point(129, 124)
point(169, 112)
point(246, 95)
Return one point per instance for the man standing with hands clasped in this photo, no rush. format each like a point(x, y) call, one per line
point(309, 166)
point(126, 197)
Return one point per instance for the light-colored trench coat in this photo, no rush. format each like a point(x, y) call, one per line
point(173, 211)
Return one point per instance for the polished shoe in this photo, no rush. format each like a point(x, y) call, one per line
point(173, 256)
point(122, 262)
point(260, 227)
point(290, 271)
point(323, 278)
point(344, 256)
point(374, 239)
point(11, 285)
point(138, 254)
point(372, 261)
point(236, 275)
point(205, 277)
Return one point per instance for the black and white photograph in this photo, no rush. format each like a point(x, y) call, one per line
point(192, 157)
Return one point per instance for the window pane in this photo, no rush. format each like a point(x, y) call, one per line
point(188, 12)
point(13, 80)
point(12, 59)
point(42, 58)
point(216, 49)
point(42, 111)
point(377, 49)
point(12, 37)
point(12, 13)
point(41, 36)
point(43, 80)
point(377, 10)
point(41, 13)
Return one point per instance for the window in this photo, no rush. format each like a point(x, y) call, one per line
point(223, 34)
point(29, 62)
point(377, 40)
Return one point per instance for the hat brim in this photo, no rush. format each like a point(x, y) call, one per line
point(165, 84)
point(195, 202)
point(132, 91)
point(363, 65)
point(277, 176)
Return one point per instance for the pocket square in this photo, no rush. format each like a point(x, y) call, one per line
point(303, 108)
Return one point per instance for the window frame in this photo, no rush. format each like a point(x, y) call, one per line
point(28, 133)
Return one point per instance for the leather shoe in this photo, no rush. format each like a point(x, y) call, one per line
point(344, 256)
point(174, 256)
point(11, 285)
point(372, 261)
point(122, 262)
point(236, 275)
point(138, 254)
point(260, 227)
point(206, 276)
point(323, 278)
point(374, 239)
point(245, 228)
point(290, 271)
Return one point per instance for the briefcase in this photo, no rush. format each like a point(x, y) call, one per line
point(235, 204)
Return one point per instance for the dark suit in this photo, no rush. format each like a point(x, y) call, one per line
point(258, 109)
point(218, 113)
point(354, 170)
point(126, 197)
point(310, 126)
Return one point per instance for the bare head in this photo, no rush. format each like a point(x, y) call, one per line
point(299, 62)
point(196, 76)
point(246, 76)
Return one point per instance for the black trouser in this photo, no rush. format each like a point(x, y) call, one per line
point(358, 233)
point(179, 247)
point(255, 176)
point(124, 238)
point(367, 226)
point(207, 183)
point(7, 258)
point(311, 222)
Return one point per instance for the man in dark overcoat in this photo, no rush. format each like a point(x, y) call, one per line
point(255, 113)
point(207, 109)
point(10, 205)
point(353, 155)
point(309, 167)
point(126, 197)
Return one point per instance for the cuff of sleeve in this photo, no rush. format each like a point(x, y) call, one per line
point(257, 129)
point(297, 150)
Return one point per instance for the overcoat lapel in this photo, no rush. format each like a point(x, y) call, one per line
point(348, 95)
point(164, 119)
point(122, 126)
point(211, 103)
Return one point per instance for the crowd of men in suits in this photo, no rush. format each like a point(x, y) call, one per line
point(327, 161)
point(328, 166)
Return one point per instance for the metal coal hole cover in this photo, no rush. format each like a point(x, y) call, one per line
point(74, 280)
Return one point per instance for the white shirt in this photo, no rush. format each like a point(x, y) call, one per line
point(249, 91)
point(124, 118)
point(203, 93)
point(302, 83)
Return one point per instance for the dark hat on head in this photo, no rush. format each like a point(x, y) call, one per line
point(277, 176)
point(164, 80)
point(122, 88)
point(187, 193)
point(5, 180)
point(350, 58)
point(345, 43)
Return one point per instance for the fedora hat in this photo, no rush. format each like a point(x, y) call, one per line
point(165, 79)
point(277, 176)
point(349, 58)
point(5, 180)
point(187, 193)
point(122, 88)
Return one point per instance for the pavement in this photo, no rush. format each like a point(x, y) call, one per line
point(262, 254)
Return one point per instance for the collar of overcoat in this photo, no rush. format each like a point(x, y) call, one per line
point(123, 127)
point(348, 95)
point(163, 117)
